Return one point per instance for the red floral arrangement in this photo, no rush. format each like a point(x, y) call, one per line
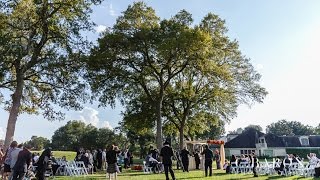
point(215, 142)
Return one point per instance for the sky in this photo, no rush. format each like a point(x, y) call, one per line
point(282, 39)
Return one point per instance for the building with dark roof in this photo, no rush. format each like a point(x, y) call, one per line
point(269, 144)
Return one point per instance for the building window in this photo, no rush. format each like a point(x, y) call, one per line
point(304, 141)
point(246, 151)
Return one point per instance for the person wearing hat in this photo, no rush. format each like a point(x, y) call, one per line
point(166, 154)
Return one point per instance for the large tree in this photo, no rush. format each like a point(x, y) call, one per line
point(38, 143)
point(69, 136)
point(211, 89)
point(138, 123)
point(286, 128)
point(40, 46)
point(140, 53)
point(76, 134)
point(215, 131)
point(256, 127)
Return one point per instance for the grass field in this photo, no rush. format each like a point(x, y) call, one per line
point(58, 154)
point(192, 175)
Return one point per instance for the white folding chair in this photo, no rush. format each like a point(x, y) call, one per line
point(234, 167)
point(243, 166)
point(287, 168)
point(62, 168)
point(69, 170)
point(76, 171)
point(82, 167)
point(309, 170)
point(146, 169)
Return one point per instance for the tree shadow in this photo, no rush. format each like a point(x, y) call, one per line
point(136, 174)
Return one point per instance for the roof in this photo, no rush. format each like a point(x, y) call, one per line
point(314, 141)
point(250, 137)
point(291, 141)
point(247, 139)
point(273, 140)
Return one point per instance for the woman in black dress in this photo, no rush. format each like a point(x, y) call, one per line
point(43, 163)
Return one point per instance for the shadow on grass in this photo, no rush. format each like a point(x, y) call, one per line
point(135, 174)
point(193, 177)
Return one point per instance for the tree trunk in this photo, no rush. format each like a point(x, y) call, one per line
point(14, 111)
point(159, 123)
point(181, 131)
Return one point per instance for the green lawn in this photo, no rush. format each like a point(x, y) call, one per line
point(193, 175)
point(70, 155)
point(217, 174)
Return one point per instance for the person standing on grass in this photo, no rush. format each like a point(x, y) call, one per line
point(166, 154)
point(217, 158)
point(179, 163)
point(126, 155)
point(185, 159)
point(42, 163)
point(197, 159)
point(111, 158)
point(255, 162)
point(22, 164)
point(99, 159)
point(208, 156)
point(14, 158)
point(7, 161)
point(104, 159)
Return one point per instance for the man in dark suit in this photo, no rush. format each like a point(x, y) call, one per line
point(185, 159)
point(166, 154)
point(255, 162)
point(22, 165)
point(208, 156)
point(197, 159)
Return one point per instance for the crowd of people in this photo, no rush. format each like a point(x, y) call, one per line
point(250, 159)
point(17, 162)
point(109, 159)
point(157, 160)
point(280, 164)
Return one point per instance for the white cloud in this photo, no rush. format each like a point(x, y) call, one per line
point(100, 28)
point(106, 124)
point(90, 116)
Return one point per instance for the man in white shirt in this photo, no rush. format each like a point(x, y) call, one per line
point(151, 162)
point(14, 157)
point(36, 158)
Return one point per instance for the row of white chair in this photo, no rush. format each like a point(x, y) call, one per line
point(292, 168)
point(269, 168)
point(73, 168)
